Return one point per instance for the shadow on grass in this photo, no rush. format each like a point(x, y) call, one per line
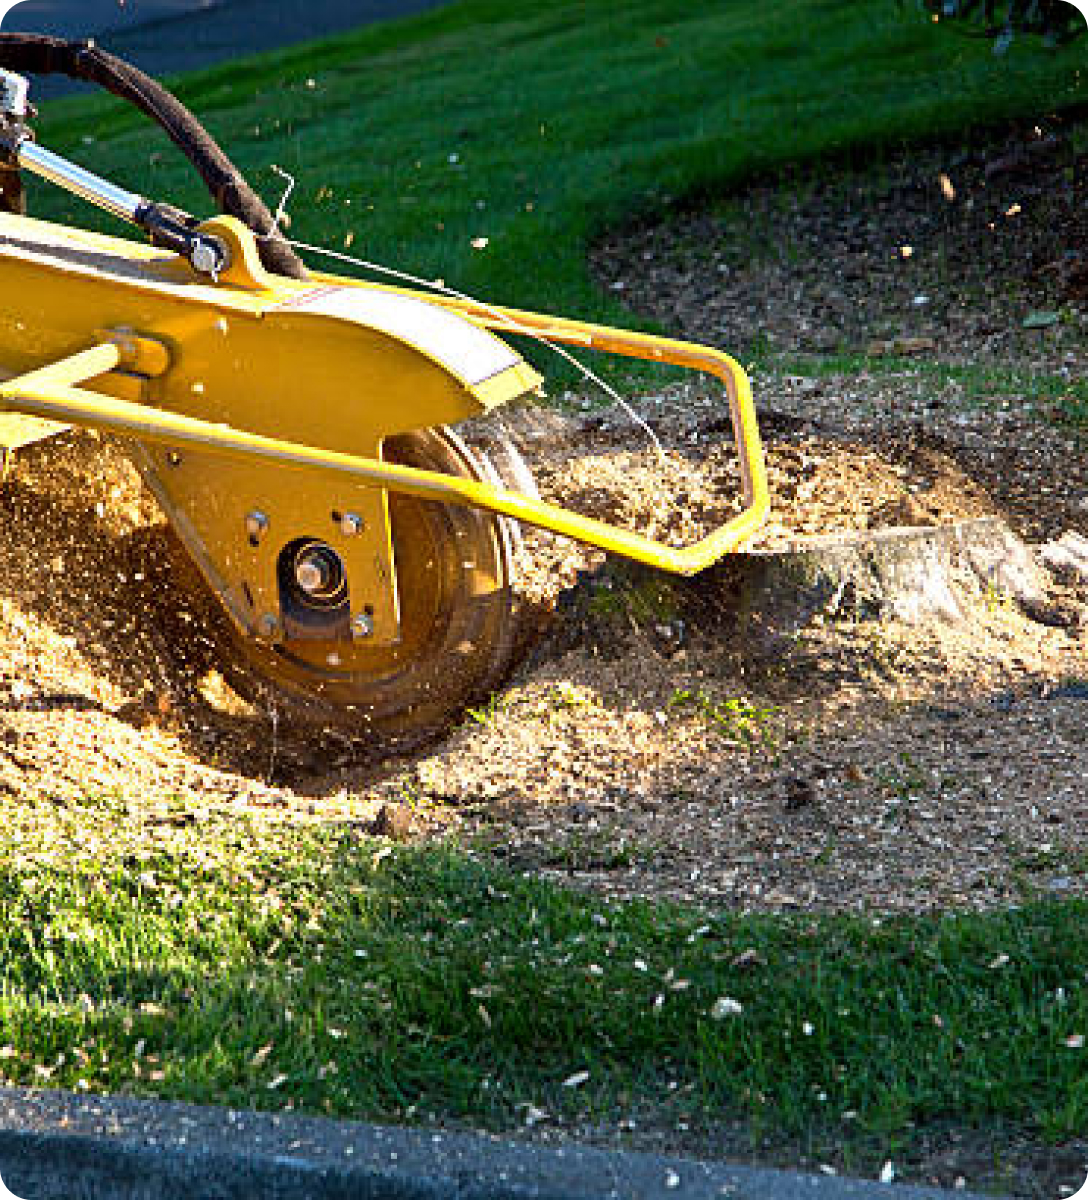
point(342, 977)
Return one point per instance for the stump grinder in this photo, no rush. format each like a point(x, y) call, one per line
point(296, 427)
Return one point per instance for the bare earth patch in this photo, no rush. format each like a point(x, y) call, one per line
point(650, 746)
point(863, 765)
point(948, 251)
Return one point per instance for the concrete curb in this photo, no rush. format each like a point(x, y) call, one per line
point(62, 1146)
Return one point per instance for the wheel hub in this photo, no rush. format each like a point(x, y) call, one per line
point(319, 574)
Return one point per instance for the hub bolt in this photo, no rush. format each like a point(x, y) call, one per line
point(318, 571)
point(268, 626)
point(313, 573)
point(256, 524)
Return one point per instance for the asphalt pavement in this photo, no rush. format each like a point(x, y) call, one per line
point(84, 18)
point(62, 1145)
point(165, 37)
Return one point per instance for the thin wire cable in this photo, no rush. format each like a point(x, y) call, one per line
point(281, 208)
point(439, 286)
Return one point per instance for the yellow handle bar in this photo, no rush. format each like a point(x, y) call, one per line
point(52, 392)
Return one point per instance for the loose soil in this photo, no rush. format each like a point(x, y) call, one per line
point(945, 252)
point(645, 747)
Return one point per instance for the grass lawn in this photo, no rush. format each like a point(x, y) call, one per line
point(535, 126)
point(1066, 399)
point(225, 957)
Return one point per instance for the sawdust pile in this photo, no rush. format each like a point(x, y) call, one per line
point(109, 671)
point(644, 747)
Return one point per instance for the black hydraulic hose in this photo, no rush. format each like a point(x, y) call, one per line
point(40, 54)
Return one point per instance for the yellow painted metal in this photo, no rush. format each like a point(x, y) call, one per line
point(332, 367)
point(687, 355)
point(76, 368)
point(649, 347)
point(17, 431)
point(37, 394)
point(223, 386)
point(244, 268)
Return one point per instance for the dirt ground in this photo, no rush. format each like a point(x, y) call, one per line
point(950, 249)
point(647, 745)
point(836, 770)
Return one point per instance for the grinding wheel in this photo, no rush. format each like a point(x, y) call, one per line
point(460, 619)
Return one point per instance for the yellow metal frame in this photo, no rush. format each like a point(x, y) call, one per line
point(53, 392)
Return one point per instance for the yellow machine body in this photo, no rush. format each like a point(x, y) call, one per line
point(327, 365)
point(257, 407)
point(299, 430)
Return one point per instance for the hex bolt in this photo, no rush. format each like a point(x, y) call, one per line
point(256, 524)
point(205, 256)
point(173, 458)
point(310, 577)
point(362, 626)
point(268, 626)
point(351, 524)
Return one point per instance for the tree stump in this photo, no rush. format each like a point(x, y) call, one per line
point(908, 574)
point(913, 575)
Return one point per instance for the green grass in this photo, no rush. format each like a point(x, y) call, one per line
point(215, 956)
point(222, 956)
point(1062, 398)
point(734, 717)
point(537, 126)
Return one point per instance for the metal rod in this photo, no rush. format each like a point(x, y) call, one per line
point(78, 180)
point(76, 368)
point(46, 392)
